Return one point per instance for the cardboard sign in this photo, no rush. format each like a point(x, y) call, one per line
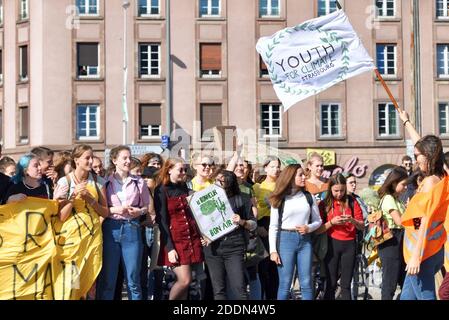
point(212, 212)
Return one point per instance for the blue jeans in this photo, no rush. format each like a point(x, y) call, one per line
point(252, 278)
point(295, 250)
point(122, 239)
point(422, 285)
point(149, 240)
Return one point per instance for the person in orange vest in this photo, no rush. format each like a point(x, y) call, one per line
point(424, 218)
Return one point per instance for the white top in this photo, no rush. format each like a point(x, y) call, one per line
point(296, 213)
point(120, 191)
point(90, 180)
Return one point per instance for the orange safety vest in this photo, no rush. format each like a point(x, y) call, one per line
point(433, 205)
point(446, 245)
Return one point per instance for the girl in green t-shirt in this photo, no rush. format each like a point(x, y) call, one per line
point(390, 252)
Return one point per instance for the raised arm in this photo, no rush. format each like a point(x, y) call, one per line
point(409, 126)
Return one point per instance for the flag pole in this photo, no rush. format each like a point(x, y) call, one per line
point(382, 81)
point(379, 76)
point(338, 5)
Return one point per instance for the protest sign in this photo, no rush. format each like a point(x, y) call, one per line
point(212, 212)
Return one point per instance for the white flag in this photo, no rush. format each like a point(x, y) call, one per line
point(313, 56)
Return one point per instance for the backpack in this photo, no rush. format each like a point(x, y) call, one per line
point(377, 230)
point(94, 176)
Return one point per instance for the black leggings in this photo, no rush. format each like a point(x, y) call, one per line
point(340, 258)
point(393, 265)
point(268, 272)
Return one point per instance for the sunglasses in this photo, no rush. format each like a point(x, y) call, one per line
point(205, 165)
point(183, 170)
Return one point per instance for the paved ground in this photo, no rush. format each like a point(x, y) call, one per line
point(374, 282)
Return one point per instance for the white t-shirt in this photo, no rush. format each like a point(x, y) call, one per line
point(90, 180)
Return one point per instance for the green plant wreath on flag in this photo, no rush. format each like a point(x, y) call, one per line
point(327, 38)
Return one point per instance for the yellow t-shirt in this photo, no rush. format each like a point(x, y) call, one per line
point(263, 191)
point(390, 203)
point(198, 187)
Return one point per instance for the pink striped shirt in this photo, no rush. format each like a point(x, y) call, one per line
point(136, 194)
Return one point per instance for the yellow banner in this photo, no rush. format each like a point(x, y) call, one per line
point(328, 155)
point(43, 258)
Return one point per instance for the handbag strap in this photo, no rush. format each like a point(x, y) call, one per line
point(379, 206)
point(278, 234)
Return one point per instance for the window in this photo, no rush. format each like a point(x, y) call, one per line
point(326, 7)
point(148, 8)
point(385, 8)
point(271, 120)
point(149, 59)
point(388, 120)
point(211, 117)
point(443, 60)
point(443, 118)
point(149, 121)
point(263, 70)
point(442, 9)
point(210, 59)
point(87, 7)
point(268, 8)
point(386, 59)
point(23, 63)
point(209, 8)
point(23, 9)
point(88, 60)
point(1, 11)
point(23, 124)
point(330, 120)
point(87, 122)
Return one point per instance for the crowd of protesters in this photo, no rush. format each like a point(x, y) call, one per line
point(300, 218)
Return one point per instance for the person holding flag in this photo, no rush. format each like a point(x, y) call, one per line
point(424, 218)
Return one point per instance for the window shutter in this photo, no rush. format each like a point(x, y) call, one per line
point(210, 56)
point(210, 116)
point(150, 115)
point(24, 122)
point(24, 61)
point(88, 54)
